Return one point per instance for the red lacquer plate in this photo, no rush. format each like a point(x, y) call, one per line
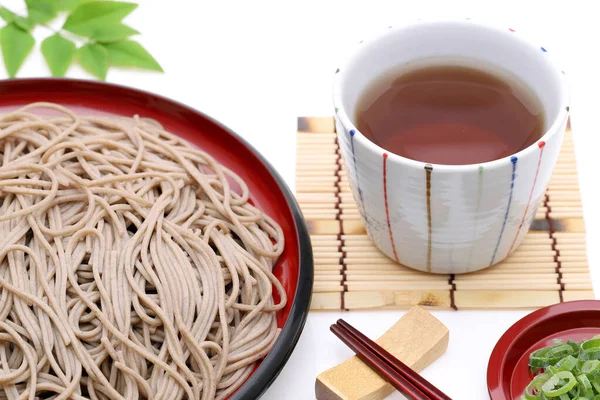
point(508, 373)
point(269, 191)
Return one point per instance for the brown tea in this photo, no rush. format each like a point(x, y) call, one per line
point(450, 114)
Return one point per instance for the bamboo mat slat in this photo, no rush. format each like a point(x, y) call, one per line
point(351, 273)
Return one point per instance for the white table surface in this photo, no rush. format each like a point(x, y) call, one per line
point(257, 65)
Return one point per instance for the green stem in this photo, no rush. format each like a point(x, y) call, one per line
point(49, 28)
point(64, 33)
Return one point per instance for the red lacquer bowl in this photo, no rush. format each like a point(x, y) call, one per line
point(269, 191)
point(508, 372)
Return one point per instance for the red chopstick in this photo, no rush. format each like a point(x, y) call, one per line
point(394, 371)
point(383, 369)
point(423, 384)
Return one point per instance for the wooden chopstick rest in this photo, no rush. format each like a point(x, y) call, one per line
point(417, 339)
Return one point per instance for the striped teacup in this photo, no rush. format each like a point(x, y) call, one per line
point(449, 218)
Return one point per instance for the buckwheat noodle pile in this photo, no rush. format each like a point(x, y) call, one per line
point(129, 266)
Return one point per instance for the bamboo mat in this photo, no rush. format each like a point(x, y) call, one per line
point(350, 273)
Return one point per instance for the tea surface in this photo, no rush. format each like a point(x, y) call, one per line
point(450, 114)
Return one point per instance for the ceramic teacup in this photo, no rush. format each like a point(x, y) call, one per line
point(449, 218)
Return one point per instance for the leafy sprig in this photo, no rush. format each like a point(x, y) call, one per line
point(93, 35)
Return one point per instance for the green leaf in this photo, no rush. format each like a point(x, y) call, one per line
point(16, 45)
point(69, 5)
point(41, 11)
point(94, 59)
point(88, 17)
point(131, 54)
point(9, 16)
point(59, 53)
point(112, 33)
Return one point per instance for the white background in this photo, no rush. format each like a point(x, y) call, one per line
point(257, 65)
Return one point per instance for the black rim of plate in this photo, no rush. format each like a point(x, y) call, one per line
point(271, 366)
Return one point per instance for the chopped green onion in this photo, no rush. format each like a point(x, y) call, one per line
point(590, 366)
point(569, 371)
point(575, 345)
point(590, 350)
point(596, 385)
point(534, 389)
point(561, 351)
point(585, 387)
point(566, 364)
point(559, 383)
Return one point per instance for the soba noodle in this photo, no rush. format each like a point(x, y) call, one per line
point(130, 267)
